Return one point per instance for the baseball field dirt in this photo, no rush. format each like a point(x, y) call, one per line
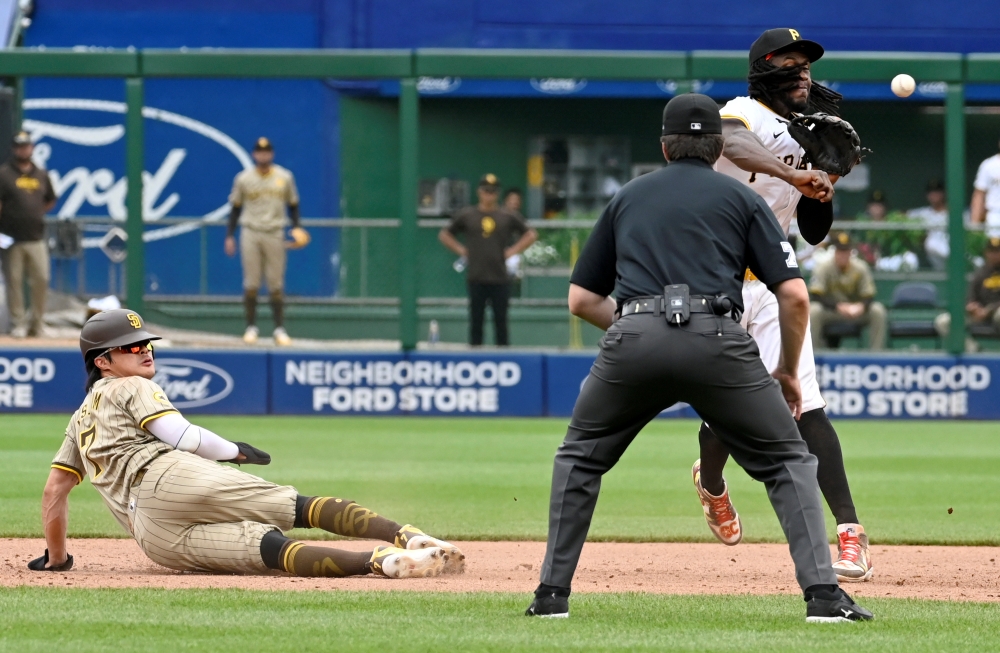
point(925, 572)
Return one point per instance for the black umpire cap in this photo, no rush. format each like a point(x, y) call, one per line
point(691, 113)
point(784, 39)
point(114, 328)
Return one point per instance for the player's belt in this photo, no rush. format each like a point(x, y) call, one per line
point(655, 305)
point(750, 276)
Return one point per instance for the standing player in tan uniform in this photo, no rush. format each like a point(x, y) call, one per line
point(258, 201)
point(157, 474)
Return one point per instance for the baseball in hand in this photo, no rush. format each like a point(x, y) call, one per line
point(903, 85)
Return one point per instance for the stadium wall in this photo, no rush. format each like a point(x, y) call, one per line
point(495, 383)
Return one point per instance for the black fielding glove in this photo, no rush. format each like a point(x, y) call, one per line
point(254, 455)
point(831, 144)
point(38, 564)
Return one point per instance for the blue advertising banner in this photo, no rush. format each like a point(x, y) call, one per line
point(52, 381)
point(41, 380)
point(214, 382)
point(407, 384)
point(896, 387)
point(565, 375)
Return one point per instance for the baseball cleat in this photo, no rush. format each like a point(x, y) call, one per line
point(412, 538)
point(854, 560)
point(393, 562)
point(548, 606)
point(719, 511)
point(281, 337)
point(839, 610)
point(251, 334)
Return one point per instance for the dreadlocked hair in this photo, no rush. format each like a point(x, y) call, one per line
point(768, 82)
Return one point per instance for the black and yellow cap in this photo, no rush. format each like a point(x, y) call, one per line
point(877, 197)
point(489, 180)
point(993, 244)
point(842, 241)
point(22, 138)
point(935, 185)
point(263, 144)
point(784, 39)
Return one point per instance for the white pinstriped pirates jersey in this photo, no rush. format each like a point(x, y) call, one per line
point(107, 440)
point(772, 129)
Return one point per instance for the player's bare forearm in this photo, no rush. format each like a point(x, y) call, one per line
point(793, 318)
point(523, 243)
point(591, 307)
point(747, 152)
point(977, 209)
point(451, 242)
point(55, 512)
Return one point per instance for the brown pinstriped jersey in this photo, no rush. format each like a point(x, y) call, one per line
point(106, 438)
point(263, 197)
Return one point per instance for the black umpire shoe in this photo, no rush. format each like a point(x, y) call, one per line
point(549, 605)
point(840, 608)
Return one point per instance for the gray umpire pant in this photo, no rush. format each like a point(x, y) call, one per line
point(646, 365)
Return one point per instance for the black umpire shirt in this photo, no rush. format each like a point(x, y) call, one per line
point(684, 224)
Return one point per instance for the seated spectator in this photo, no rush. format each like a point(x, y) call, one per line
point(843, 290)
point(892, 250)
point(983, 298)
point(935, 217)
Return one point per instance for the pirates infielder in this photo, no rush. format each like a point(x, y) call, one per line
point(760, 152)
point(157, 474)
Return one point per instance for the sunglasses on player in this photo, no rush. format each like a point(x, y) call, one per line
point(136, 348)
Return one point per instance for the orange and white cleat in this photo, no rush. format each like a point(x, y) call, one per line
point(719, 511)
point(854, 560)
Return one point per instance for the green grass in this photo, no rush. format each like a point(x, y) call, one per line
point(489, 478)
point(46, 619)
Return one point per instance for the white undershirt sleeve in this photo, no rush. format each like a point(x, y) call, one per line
point(181, 434)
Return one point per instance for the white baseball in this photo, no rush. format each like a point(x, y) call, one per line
point(903, 85)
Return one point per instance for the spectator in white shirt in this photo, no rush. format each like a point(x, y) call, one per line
point(986, 196)
point(935, 217)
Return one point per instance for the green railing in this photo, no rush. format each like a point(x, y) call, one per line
point(407, 65)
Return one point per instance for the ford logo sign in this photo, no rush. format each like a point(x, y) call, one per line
point(558, 85)
point(72, 138)
point(438, 85)
point(190, 383)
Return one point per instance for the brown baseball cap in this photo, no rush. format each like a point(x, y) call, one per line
point(22, 138)
point(842, 242)
point(114, 328)
point(993, 244)
point(263, 145)
point(490, 181)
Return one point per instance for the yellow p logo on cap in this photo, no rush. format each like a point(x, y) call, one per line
point(795, 34)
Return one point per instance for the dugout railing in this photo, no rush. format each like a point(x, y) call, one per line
point(134, 66)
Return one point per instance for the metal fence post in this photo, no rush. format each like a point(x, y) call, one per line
point(135, 263)
point(409, 134)
point(954, 138)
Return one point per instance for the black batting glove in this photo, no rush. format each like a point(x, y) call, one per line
point(254, 456)
point(38, 564)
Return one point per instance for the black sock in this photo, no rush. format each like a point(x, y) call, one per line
point(278, 309)
point(548, 590)
point(270, 549)
point(823, 592)
point(822, 440)
point(714, 455)
point(250, 306)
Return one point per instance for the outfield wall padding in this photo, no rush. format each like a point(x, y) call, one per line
point(488, 383)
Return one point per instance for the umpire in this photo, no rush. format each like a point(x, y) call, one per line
point(673, 246)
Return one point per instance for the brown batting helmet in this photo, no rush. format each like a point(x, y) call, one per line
point(115, 328)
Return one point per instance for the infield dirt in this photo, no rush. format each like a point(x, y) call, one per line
point(925, 572)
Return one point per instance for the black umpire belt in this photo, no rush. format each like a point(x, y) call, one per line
point(698, 304)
